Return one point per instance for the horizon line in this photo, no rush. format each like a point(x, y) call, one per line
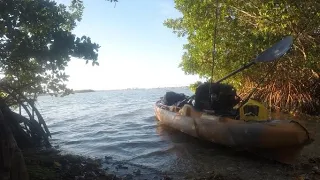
point(132, 88)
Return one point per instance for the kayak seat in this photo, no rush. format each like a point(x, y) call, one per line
point(188, 110)
point(174, 108)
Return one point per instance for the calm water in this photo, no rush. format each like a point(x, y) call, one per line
point(121, 125)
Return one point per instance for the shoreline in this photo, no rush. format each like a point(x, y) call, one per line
point(54, 163)
point(50, 164)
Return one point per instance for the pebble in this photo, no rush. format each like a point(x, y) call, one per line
point(128, 177)
point(90, 175)
point(231, 169)
point(107, 158)
point(166, 178)
point(79, 178)
point(316, 169)
point(120, 166)
point(137, 172)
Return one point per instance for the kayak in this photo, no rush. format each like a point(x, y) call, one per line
point(217, 114)
point(280, 140)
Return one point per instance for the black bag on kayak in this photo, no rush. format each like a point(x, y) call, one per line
point(170, 98)
point(224, 97)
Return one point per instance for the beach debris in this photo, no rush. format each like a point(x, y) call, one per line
point(137, 172)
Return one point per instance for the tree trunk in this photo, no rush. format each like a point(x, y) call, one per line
point(12, 165)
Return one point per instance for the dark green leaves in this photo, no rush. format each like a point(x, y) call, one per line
point(245, 29)
point(36, 43)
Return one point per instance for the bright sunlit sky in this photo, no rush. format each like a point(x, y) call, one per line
point(137, 50)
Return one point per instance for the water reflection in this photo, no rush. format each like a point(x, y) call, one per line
point(196, 156)
point(128, 132)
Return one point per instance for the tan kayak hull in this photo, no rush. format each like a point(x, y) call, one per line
point(275, 137)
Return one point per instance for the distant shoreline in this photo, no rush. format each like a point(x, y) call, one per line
point(174, 87)
point(91, 90)
point(83, 91)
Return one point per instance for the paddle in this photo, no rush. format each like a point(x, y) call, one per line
point(271, 54)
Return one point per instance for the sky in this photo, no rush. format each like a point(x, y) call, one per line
point(137, 50)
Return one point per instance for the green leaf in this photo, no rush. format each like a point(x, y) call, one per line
point(37, 43)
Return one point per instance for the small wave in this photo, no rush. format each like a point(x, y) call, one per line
point(125, 137)
point(55, 125)
point(163, 152)
point(149, 119)
point(76, 118)
point(100, 123)
point(130, 113)
point(148, 127)
point(80, 141)
point(104, 132)
point(152, 142)
point(91, 138)
point(120, 124)
point(93, 135)
point(96, 124)
point(56, 132)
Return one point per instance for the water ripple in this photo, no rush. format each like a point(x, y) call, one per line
point(120, 124)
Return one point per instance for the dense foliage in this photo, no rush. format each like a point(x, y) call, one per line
point(244, 29)
point(36, 44)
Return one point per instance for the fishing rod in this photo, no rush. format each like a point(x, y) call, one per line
point(214, 52)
